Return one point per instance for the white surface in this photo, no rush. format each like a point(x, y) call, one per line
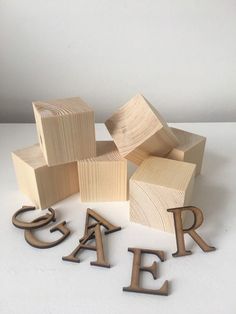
point(180, 54)
point(38, 281)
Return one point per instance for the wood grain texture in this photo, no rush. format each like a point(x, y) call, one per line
point(103, 178)
point(42, 184)
point(190, 149)
point(138, 131)
point(65, 130)
point(159, 184)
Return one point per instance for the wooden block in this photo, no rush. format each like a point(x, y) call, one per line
point(191, 148)
point(103, 178)
point(138, 131)
point(65, 129)
point(42, 184)
point(159, 184)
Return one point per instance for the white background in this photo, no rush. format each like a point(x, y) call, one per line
point(180, 54)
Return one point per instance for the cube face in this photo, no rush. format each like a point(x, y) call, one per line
point(26, 179)
point(195, 155)
point(65, 129)
point(42, 184)
point(103, 178)
point(157, 145)
point(148, 206)
point(190, 149)
point(159, 184)
point(56, 183)
point(138, 131)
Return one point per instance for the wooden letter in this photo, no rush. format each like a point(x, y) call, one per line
point(159, 184)
point(190, 149)
point(44, 185)
point(32, 225)
point(98, 247)
point(180, 231)
point(138, 131)
point(91, 214)
point(137, 268)
point(33, 241)
point(65, 130)
point(103, 178)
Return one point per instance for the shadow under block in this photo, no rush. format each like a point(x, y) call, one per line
point(159, 184)
point(138, 131)
point(190, 149)
point(103, 178)
point(42, 184)
point(65, 129)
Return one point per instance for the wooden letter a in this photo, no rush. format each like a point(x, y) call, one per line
point(91, 214)
point(95, 234)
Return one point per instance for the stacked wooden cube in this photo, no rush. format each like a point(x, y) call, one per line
point(68, 159)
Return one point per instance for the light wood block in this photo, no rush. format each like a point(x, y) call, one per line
point(138, 131)
point(190, 149)
point(65, 129)
point(42, 184)
point(159, 184)
point(103, 178)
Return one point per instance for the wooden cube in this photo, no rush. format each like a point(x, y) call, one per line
point(103, 178)
point(159, 184)
point(191, 148)
point(138, 131)
point(42, 184)
point(65, 129)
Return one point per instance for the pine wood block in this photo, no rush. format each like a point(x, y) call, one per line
point(138, 131)
point(159, 184)
point(42, 184)
point(103, 178)
point(65, 129)
point(190, 149)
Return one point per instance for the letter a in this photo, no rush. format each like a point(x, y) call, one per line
point(95, 234)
